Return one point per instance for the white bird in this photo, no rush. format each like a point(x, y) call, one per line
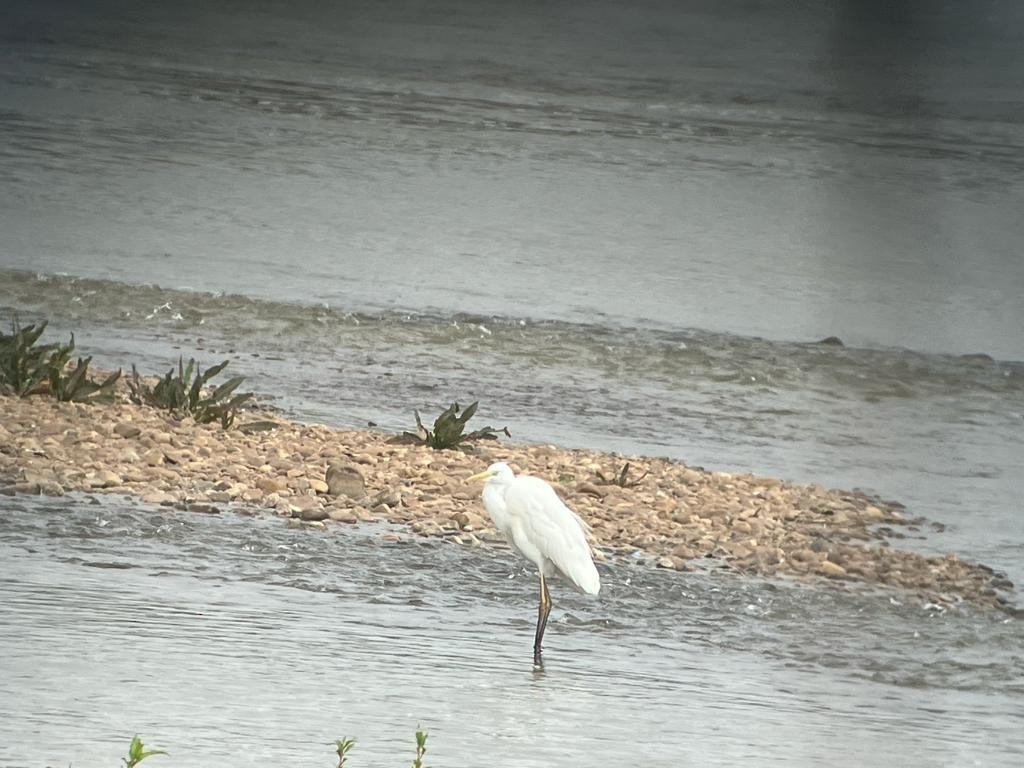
point(545, 531)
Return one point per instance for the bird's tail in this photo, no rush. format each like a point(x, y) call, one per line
point(584, 574)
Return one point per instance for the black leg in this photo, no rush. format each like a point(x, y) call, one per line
point(542, 619)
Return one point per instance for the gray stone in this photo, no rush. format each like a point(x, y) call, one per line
point(312, 514)
point(126, 430)
point(345, 480)
point(342, 515)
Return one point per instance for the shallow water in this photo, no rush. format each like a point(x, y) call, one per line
point(236, 640)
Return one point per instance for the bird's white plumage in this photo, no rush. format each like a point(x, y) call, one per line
point(536, 522)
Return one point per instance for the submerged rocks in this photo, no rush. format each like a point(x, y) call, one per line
point(671, 514)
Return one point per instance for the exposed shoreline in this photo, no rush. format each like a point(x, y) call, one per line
point(672, 516)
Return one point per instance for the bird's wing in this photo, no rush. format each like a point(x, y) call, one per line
point(543, 523)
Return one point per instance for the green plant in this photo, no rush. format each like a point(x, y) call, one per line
point(26, 368)
point(137, 753)
point(449, 430)
point(76, 386)
point(187, 394)
point(421, 748)
point(621, 478)
point(343, 747)
point(23, 365)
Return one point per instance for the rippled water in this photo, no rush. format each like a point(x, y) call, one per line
point(234, 640)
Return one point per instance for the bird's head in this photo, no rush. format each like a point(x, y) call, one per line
point(500, 470)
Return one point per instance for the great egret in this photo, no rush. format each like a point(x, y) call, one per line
point(545, 531)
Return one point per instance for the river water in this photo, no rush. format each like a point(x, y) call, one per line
point(618, 227)
point(232, 641)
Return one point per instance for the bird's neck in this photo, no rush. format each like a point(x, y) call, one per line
point(494, 503)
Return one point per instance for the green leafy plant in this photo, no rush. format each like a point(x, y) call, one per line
point(187, 393)
point(137, 753)
point(24, 367)
point(343, 747)
point(421, 748)
point(76, 386)
point(621, 478)
point(449, 430)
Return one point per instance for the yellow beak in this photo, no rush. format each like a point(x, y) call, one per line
point(480, 476)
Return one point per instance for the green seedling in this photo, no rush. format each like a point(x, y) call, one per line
point(343, 747)
point(449, 430)
point(421, 748)
point(137, 753)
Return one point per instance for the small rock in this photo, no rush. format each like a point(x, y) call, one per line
point(270, 484)
point(830, 569)
point(392, 498)
point(126, 430)
point(158, 497)
point(154, 457)
point(319, 486)
point(683, 552)
point(109, 479)
point(202, 508)
point(310, 514)
point(345, 480)
point(426, 528)
point(342, 515)
point(29, 489)
point(873, 513)
point(51, 488)
point(590, 489)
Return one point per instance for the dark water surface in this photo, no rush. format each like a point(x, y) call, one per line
point(236, 641)
point(618, 226)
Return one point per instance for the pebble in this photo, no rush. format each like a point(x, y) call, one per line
point(158, 497)
point(832, 570)
point(271, 484)
point(126, 430)
point(153, 457)
point(342, 515)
